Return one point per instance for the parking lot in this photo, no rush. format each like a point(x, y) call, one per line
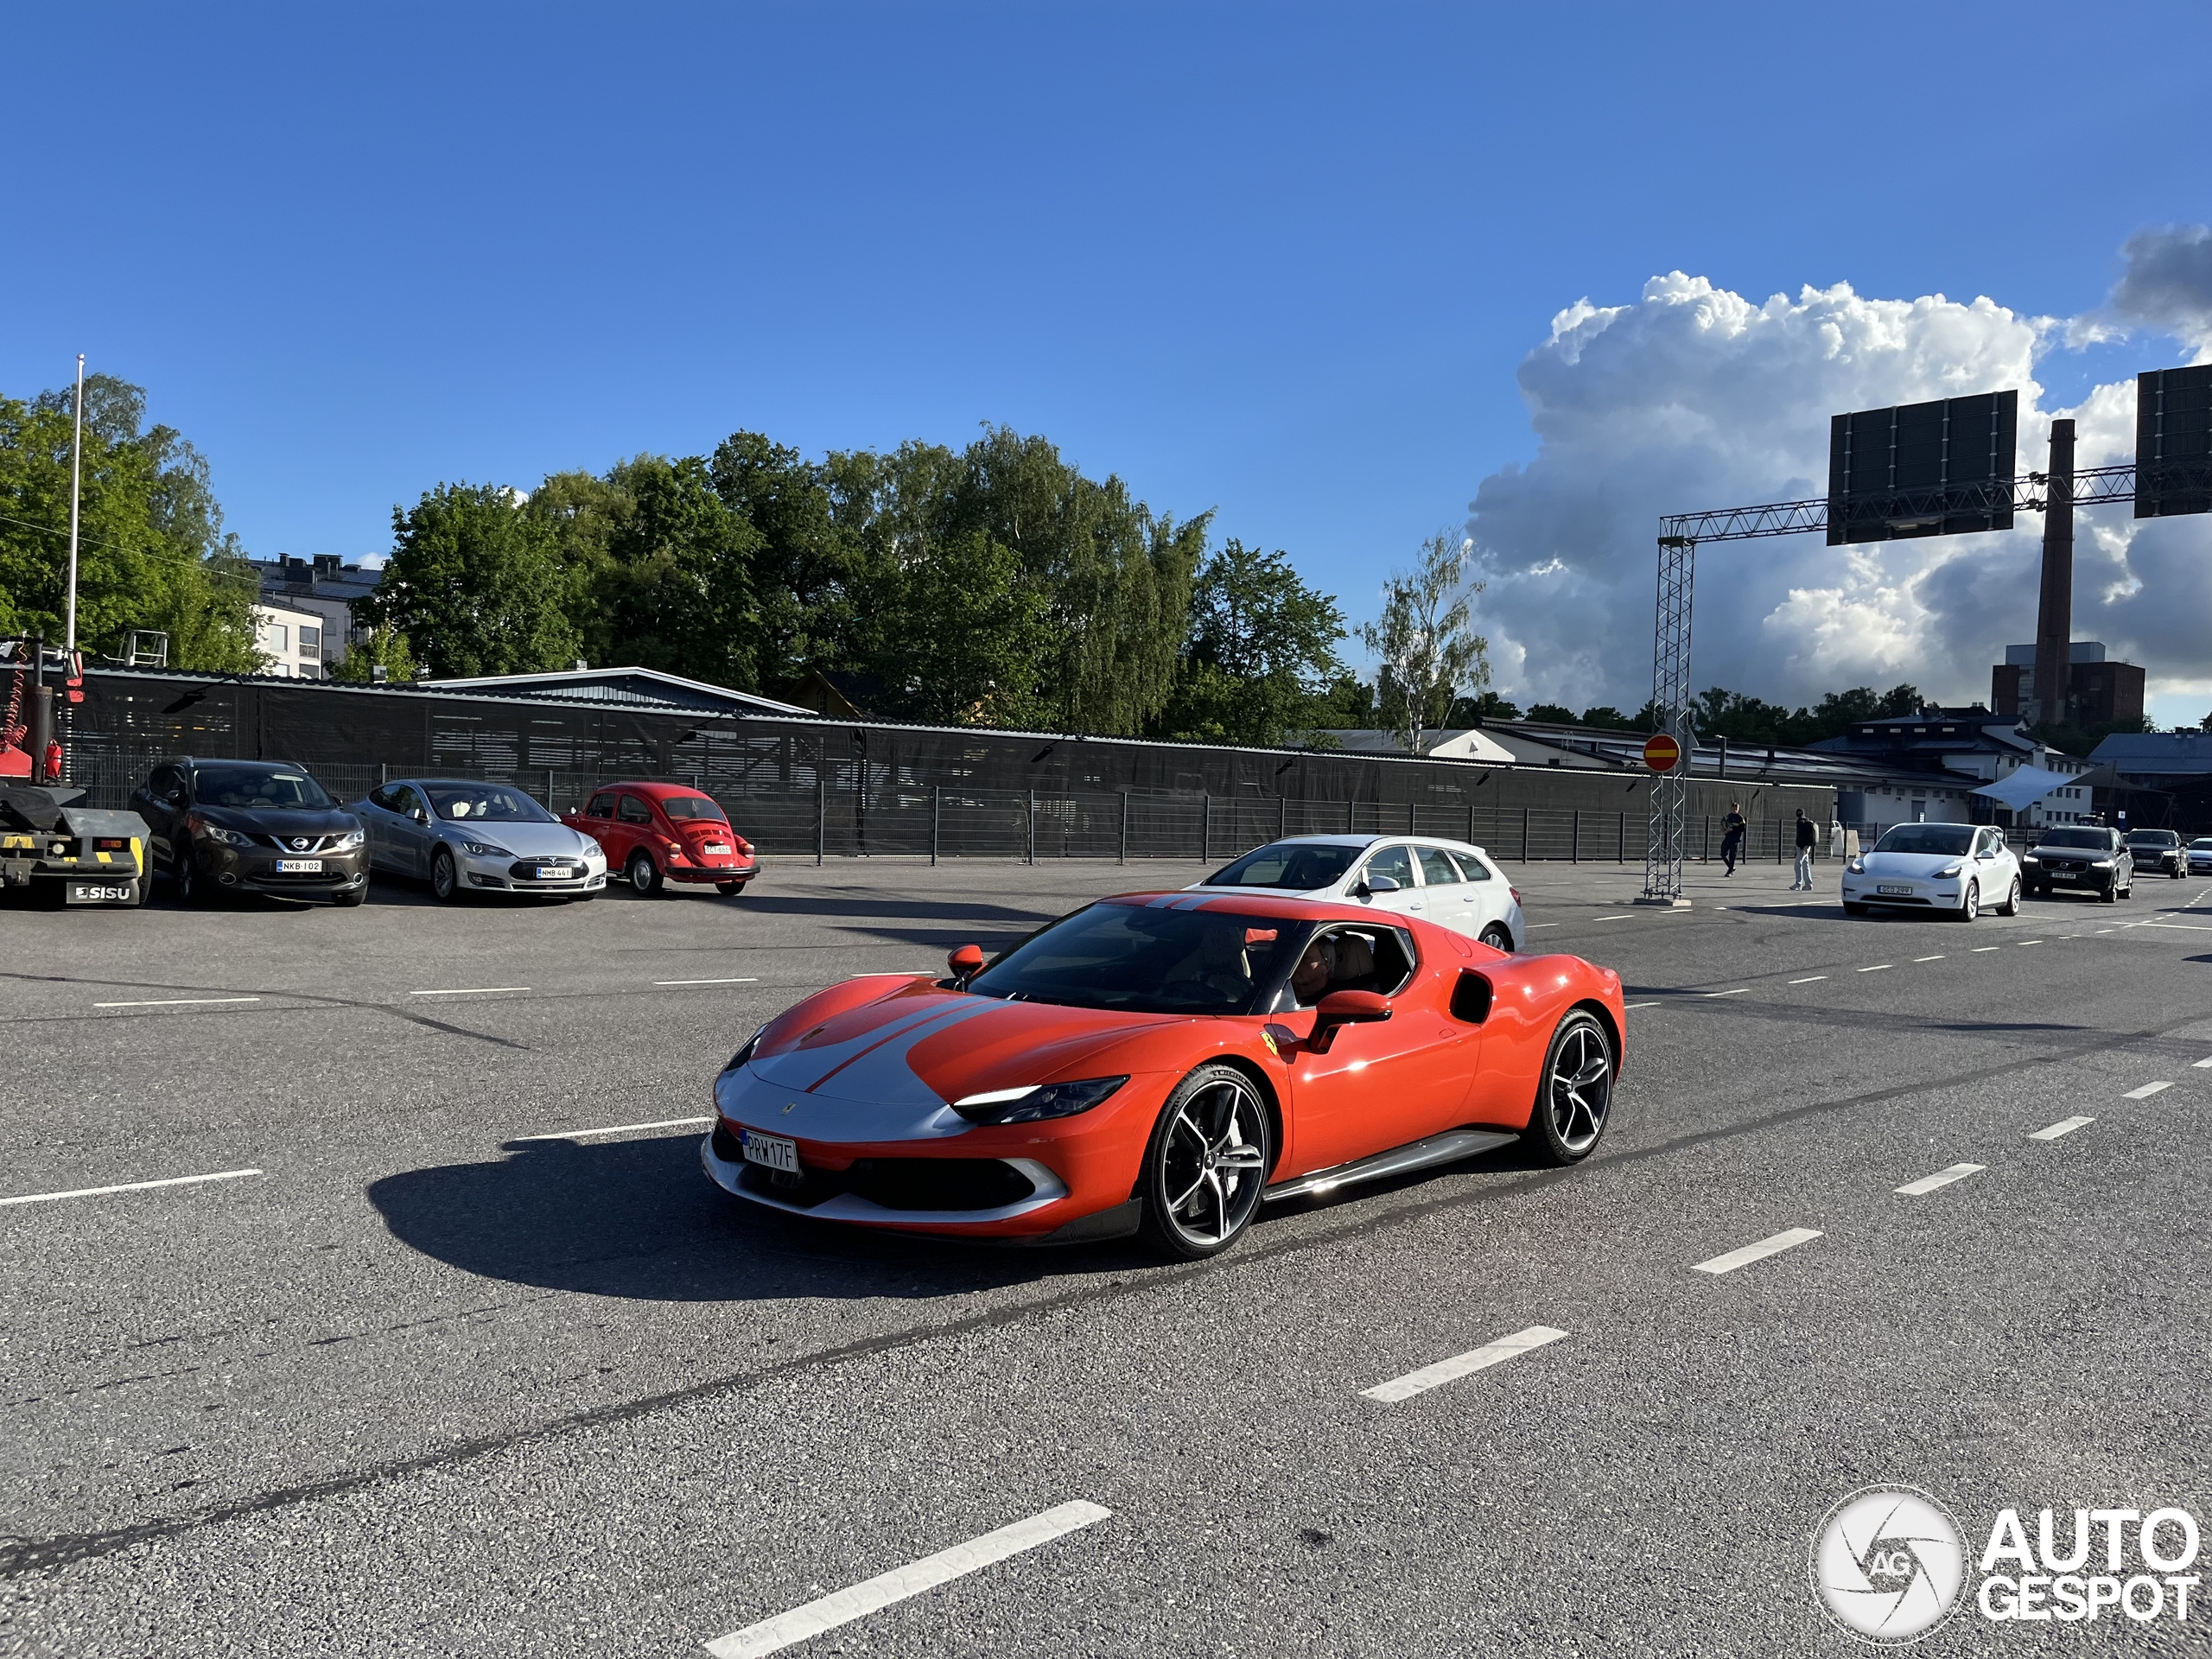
point(413, 1327)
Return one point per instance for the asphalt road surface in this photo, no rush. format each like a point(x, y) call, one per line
point(463, 1355)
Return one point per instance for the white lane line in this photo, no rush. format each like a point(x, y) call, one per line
point(1933, 958)
point(1941, 1178)
point(2064, 1126)
point(175, 1001)
point(2147, 1091)
point(470, 990)
point(1876, 969)
point(903, 1584)
point(1981, 949)
point(1533, 927)
point(1623, 917)
point(1808, 979)
point(1654, 1005)
point(1459, 1365)
point(748, 979)
point(131, 1186)
point(1739, 991)
point(2204, 1064)
point(1758, 1252)
point(617, 1128)
point(2028, 942)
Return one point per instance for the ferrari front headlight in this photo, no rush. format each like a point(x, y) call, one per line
point(1028, 1105)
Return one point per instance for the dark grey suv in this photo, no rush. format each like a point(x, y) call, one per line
point(2159, 852)
point(251, 826)
point(2082, 857)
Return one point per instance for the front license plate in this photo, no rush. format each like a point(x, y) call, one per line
point(99, 892)
point(299, 866)
point(1902, 893)
point(771, 1151)
point(551, 872)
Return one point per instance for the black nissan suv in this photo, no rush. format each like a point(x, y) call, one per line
point(251, 826)
point(2159, 852)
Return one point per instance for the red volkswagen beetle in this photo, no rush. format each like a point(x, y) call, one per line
point(666, 832)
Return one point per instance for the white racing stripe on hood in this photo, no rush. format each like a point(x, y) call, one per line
point(881, 1072)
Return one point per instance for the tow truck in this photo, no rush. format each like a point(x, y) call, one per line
point(49, 842)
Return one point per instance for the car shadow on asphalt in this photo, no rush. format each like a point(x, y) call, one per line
point(639, 1219)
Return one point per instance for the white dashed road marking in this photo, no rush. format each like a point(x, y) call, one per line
point(1808, 979)
point(1639, 1005)
point(1623, 917)
point(903, 1584)
point(1938, 958)
point(1459, 1365)
point(470, 990)
point(1941, 1178)
point(2147, 1091)
point(131, 1186)
point(2204, 1064)
point(2064, 1126)
point(1877, 968)
point(175, 1001)
point(1982, 950)
point(1533, 927)
point(1758, 1252)
point(748, 980)
point(1739, 991)
point(619, 1129)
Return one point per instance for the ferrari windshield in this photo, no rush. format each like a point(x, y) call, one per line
point(1145, 961)
point(1294, 866)
point(252, 787)
point(495, 801)
point(1944, 839)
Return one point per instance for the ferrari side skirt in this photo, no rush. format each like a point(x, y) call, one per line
point(1444, 1148)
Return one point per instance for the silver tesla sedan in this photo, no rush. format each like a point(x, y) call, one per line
point(462, 837)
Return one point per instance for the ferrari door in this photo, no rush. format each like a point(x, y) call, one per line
point(1383, 1084)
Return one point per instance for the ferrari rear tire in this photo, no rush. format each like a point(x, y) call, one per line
point(1574, 1097)
point(1497, 937)
point(1206, 1164)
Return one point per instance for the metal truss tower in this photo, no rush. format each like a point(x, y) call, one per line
point(1670, 700)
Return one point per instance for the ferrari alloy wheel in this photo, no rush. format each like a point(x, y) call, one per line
point(2011, 905)
point(1575, 1097)
point(644, 875)
point(1497, 937)
point(1206, 1165)
point(445, 880)
point(1970, 906)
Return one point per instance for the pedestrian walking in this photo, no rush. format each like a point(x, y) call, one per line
point(1731, 836)
point(1803, 881)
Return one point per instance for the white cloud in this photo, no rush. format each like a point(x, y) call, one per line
point(1694, 398)
point(2167, 285)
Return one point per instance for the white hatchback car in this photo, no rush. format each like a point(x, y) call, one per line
point(2200, 855)
point(1960, 867)
point(1447, 882)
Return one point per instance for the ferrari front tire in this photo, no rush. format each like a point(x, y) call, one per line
point(1205, 1165)
point(1574, 1097)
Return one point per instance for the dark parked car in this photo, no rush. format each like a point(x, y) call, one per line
point(2080, 856)
point(251, 826)
point(2159, 852)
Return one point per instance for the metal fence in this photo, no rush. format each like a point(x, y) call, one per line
point(876, 813)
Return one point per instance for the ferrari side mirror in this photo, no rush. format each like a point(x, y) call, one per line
point(1341, 1008)
point(966, 962)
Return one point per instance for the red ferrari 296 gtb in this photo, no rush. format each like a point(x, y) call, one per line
point(1163, 1064)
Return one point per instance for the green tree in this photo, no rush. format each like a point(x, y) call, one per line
point(1426, 651)
point(1261, 651)
point(1557, 714)
point(475, 583)
point(972, 634)
point(384, 647)
point(152, 550)
point(814, 579)
point(680, 591)
point(1473, 711)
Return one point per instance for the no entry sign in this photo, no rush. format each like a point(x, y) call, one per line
point(1661, 752)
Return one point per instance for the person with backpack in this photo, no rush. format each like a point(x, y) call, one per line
point(1731, 836)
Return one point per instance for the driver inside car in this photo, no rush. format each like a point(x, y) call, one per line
point(1218, 963)
point(1309, 981)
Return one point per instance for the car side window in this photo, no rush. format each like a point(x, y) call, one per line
point(1437, 869)
point(602, 806)
point(405, 801)
point(1471, 866)
point(381, 795)
point(1393, 861)
point(634, 810)
point(1379, 959)
point(165, 785)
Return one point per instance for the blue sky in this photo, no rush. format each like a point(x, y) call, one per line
point(1281, 262)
